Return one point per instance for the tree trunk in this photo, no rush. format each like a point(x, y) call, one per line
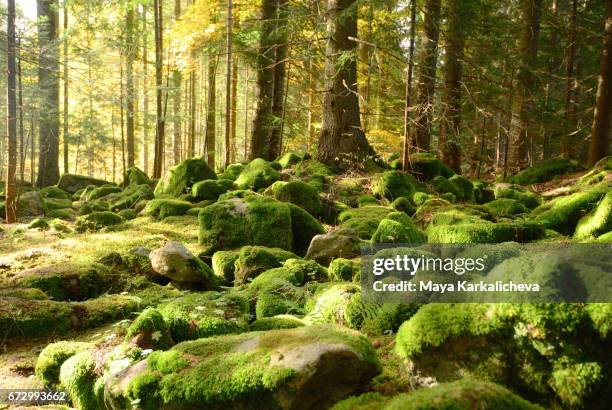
point(246, 112)
point(211, 111)
point(23, 145)
point(130, 55)
point(569, 90)
point(426, 64)
point(192, 110)
point(228, 84)
point(48, 80)
point(158, 161)
point(65, 132)
point(602, 123)
point(449, 144)
point(262, 121)
point(177, 141)
point(122, 116)
point(342, 142)
point(408, 99)
point(280, 74)
point(11, 87)
point(234, 116)
point(526, 85)
point(311, 92)
point(145, 94)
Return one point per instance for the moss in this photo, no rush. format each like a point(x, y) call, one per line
point(97, 220)
point(149, 330)
point(275, 302)
point(256, 175)
point(368, 200)
point(365, 401)
point(253, 260)
point(223, 264)
point(167, 362)
point(482, 192)
point(565, 212)
point(298, 193)
point(574, 383)
point(506, 207)
point(465, 394)
point(341, 269)
point(485, 233)
point(57, 203)
point(397, 227)
point(131, 196)
point(180, 178)
point(600, 315)
point(295, 272)
point(528, 198)
point(24, 293)
point(443, 185)
point(331, 304)
point(127, 214)
point(403, 205)
point(303, 228)
point(232, 171)
point(420, 198)
point(134, 176)
point(598, 222)
point(95, 206)
point(464, 186)
point(38, 223)
point(54, 192)
point(426, 166)
point(276, 322)
point(143, 390)
point(544, 171)
point(289, 159)
point(101, 192)
point(72, 183)
point(163, 207)
point(211, 188)
point(53, 356)
point(363, 221)
point(312, 167)
point(252, 220)
point(449, 196)
point(394, 184)
point(65, 213)
point(77, 376)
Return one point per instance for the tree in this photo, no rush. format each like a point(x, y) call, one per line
point(601, 133)
point(130, 56)
point(342, 142)
point(228, 84)
point(280, 74)
point(145, 93)
point(158, 160)
point(66, 108)
point(211, 111)
point(48, 82)
point(11, 87)
point(176, 83)
point(408, 95)
point(426, 63)
point(525, 90)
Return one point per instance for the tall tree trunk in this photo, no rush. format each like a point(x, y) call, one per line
point(409, 74)
point(280, 73)
point(23, 145)
point(601, 133)
point(570, 82)
point(122, 116)
point(11, 87)
point(342, 142)
point(228, 84)
point(158, 161)
point(311, 92)
point(526, 85)
point(48, 80)
point(262, 120)
point(246, 112)
point(426, 63)
point(449, 144)
point(234, 112)
point(65, 132)
point(145, 94)
point(192, 110)
point(130, 55)
point(177, 141)
point(211, 111)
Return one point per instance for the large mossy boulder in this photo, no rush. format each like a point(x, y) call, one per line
point(598, 222)
point(54, 192)
point(506, 207)
point(134, 176)
point(426, 166)
point(72, 183)
point(210, 189)
point(397, 227)
point(253, 260)
point(485, 232)
point(302, 368)
point(256, 175)
point(31, 204)
point(180, 178)
point(131, 196)
point(175, 262)
point(393, 185)
point(303, 227)
point(340, 243)
point(544, 171)
point(528, 198)
point(298, 193)
point(364, 221)
point(53, 356)
point(164, 207)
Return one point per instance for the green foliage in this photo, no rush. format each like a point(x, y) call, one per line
point(53, 356)
point(341, 269)
point(180, 178)
point(393, 185)
point(211, 188)
point(77, 376)
point(367, 200)
point(397, 227)
point(232, 171)
point(574, 383)
point(256, 175)
point(545, 171)
point(304, 227)
point(289, 159)
point(404, 205)
point(163, 207)
point(134, 176)
point(598, 222)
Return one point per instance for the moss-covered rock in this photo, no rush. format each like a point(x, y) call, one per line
point(163, 207)
point(175, 262)
point(486, 233)
point(65, 213)
point(340, 243)
point(130, 196)
point(311, 167)
point(528, 198)
point(544, 171)
point(426, 166)
point(598, 222)
point(127, 214)
point(101, 192)
point(232, 171)
point(180, 178)
point(397, 227)
point(38, 223)
point(223, 264)
point(276, 322)
point(298, 193)
point(256, 175)
point(97, 220)
point(89, 207)
point(78, 376)
point(72, 183)
point(404, 205)
point(465, 394)
point(54, 191)
point(420, 198)
point(134, 176)
point(341, 269)
point(53, 356)
point(253, 260)
point(464, 186)
point(364, 401)
point(364, 221)
point(304, 227)
point(31, 204)
point(506, 207)
point(289, 159)
point(393, 185)
point(149, 331)
point(367, 200)
point(211, 188)
point(305, 367)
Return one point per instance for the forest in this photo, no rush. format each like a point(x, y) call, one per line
point(193, 194)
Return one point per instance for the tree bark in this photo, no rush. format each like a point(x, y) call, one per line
point(408, 95)
point(234, 116)
point(526, 85)
point(342, 142)
point(177, 141)
point(280, 74)
point(145, 94)
point(602, 123)
point(158, 161)
point(48, 80)
point(11, 86)
point(228, 84)
point(570, 82)
point(211, 111)
point(130, 55)
point(426, 63)
point(66, 108)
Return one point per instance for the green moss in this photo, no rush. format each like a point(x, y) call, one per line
point(485, 233)
point(276, 322)
point(211, 188)
point(600, 315)
point(403, 205)
point(420, 198)
point(449, 196)
point(163, 207)
point(102, 191)
point(365, 401)
point(252, 220)
point(574, 383)
point(426, 166)
point(72, 183)
point(77, 376)
point(97, 220)
point(279, 301)
point(38, 223)
point(151, 330)
point(341, 269)
point(256, 175)
point(223, 264)
point(598, 222)
point(298, 193)
point(443, 185)
point(312, 167)
point(394, 184)
point(127, 214)
point(134, 176)
point(66, 213)
point(464, 186)
point(57, 203)
point(506, 207)
point(303, 228)
point(364, 221)
point(167, 362)
point(465, 394)
point(54, 192)
point(53, 356)
point(289, 159)
point(180, 178)
point(331, 304)
point(544, 171)
point(368, 200)
point(232, 171)
point(143, 391)
point(294, 272)
point(253, 260)
point(95, 206)
point(397, 227)
point(528, 198)
point(24, 293)
point(131, 196)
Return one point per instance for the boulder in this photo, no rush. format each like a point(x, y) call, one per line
point(342, 243)
point(597, 222)
point(308, 367)
point(298, 193)
point(163, 207)
point(97, 220)
point(31, 204)
point(545, 171)
point(394, 184)
point(134, 176)
point(180, 178)
point(72, 183)
point(256, 175)
point(397, 227)
point(253, 260)
point(178, 264)
point(210, 189)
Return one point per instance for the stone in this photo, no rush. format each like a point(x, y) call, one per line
point(178, 264)
point(342, 243)
point(72, 183)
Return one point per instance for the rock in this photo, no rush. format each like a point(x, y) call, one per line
point(101, 192)
point(161, 208)
point(301, 368)
point(393, 185)
point(426, 166)
point(545, 171)
point(364, 221)
point(403, 205)
point(342, 243)
point(253, 260)
point(54, 192)
point(211, 188)
point(598, 222)
point(289, 159)
point(397, 227)
point(53, 356)
point(256, 175)
point(223, 264)
point(71, 183)
point(485, 233)
point(57, 203)
point(506, 207)
point(97, 220)
point(303, 227)
point(140, 251)
point(31, 204)
point(131, 196)
point(177, 263)
point(298, 193)
point(341, 269)
point(180, 178)
point(523, 195)
point(134, 176)
point(232, 171)
point(38, 223)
